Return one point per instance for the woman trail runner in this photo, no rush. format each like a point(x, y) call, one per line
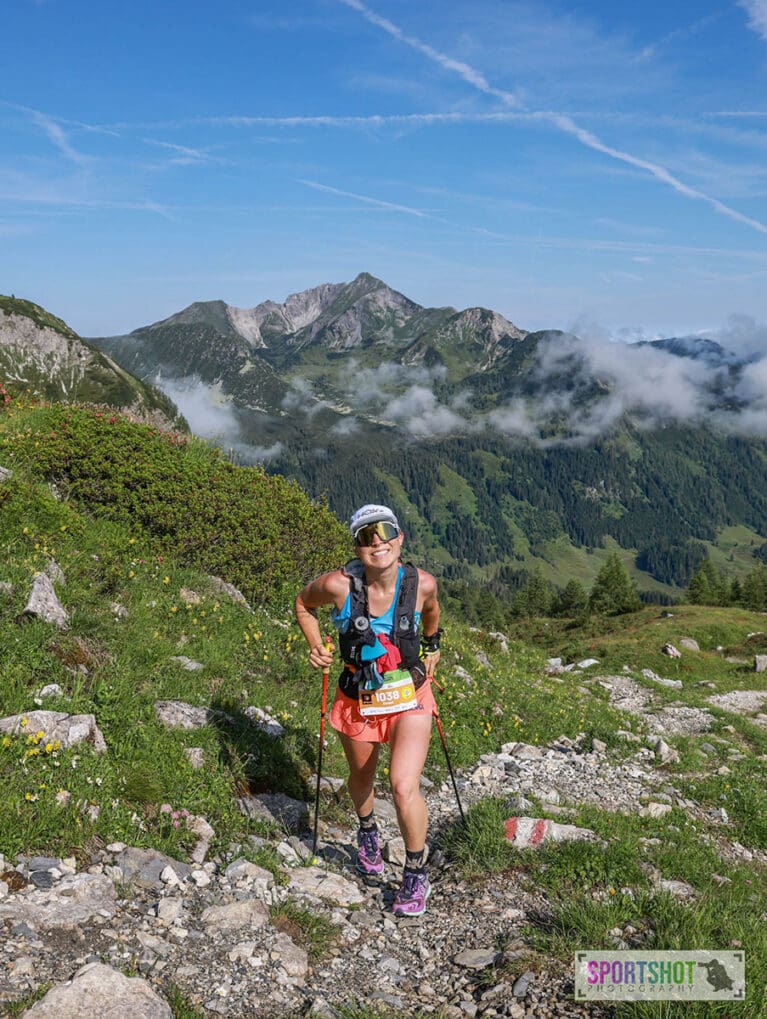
point(382, 609)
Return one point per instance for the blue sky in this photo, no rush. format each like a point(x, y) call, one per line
point(591, 166)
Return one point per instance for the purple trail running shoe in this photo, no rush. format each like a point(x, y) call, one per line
point(413, 893)
point(369, 859)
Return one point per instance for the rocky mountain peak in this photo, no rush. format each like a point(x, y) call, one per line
point(494, 325)
point(41, 352)
point(38, 318)
point(213, 313)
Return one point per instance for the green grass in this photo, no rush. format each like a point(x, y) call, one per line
point(594, 888)
point(180, 1005)
point(311, 931)
point(178, 496)
point(12, 1009)
point(53, 800)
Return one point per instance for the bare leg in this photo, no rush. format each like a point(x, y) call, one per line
point(409, 747)
point(362, 759)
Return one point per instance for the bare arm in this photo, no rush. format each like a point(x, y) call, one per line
point(429, 615)
point(325, 590)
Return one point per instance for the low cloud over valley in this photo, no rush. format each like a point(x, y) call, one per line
point(576, 389)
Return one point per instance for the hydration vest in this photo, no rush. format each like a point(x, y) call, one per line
point(360, 632)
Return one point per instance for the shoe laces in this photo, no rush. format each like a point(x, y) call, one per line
point(411, 884)
point(369, 842)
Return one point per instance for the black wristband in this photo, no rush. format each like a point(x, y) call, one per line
point(430, 643)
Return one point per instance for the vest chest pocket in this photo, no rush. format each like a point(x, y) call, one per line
point(396, 694)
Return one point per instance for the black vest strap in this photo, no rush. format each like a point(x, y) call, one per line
point(404, 634)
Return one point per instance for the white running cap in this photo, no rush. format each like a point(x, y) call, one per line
point(371, 514)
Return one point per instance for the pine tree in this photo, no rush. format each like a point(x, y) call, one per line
point(754, 589)
point(572, 601)
point(707, 586)
point(614, 592)
point(534, 598)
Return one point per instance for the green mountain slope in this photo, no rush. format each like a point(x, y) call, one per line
point(40, 352)
point(505, 451)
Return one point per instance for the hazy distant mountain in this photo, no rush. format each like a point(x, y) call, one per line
point(699, 349)
point(40, 352)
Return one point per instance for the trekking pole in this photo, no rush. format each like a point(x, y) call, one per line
point(323, 712)
point(447, 755)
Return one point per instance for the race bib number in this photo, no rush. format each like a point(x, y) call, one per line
point(396, 694)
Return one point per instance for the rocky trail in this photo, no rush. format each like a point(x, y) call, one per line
point(213, 932)
point(128, 932)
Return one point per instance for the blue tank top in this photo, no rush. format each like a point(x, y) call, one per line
point(341, 618)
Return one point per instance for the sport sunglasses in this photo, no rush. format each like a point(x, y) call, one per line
point(385, 531)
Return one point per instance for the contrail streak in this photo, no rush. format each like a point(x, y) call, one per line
point(363, 198)
point(660, 173)
point(468, 73)
point(561, 122)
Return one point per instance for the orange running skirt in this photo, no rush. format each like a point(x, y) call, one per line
point(346, 718)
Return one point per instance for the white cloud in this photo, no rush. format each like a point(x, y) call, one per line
point(743, 335)
point(209, 415)
point(56, 134)
point(514, 418)
point(249, 455)
point(346, 426)
point(650, 385)
point(300, 399)
point(679, 34)
point(757, 15)
point(420, 413)
point(373, 387)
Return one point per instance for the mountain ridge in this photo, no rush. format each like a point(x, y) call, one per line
point(505, 451)
point(40, 351)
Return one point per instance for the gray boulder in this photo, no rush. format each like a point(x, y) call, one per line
point(143, 867)
point(73, 900)
point(54, 572)
point(43, 603)
point(322, 884)
point(57, 725)
point(100, 992)
point(230, 591)
point(250, 913)
point(179, 715)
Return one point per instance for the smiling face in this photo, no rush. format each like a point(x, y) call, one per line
point(380, 554)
